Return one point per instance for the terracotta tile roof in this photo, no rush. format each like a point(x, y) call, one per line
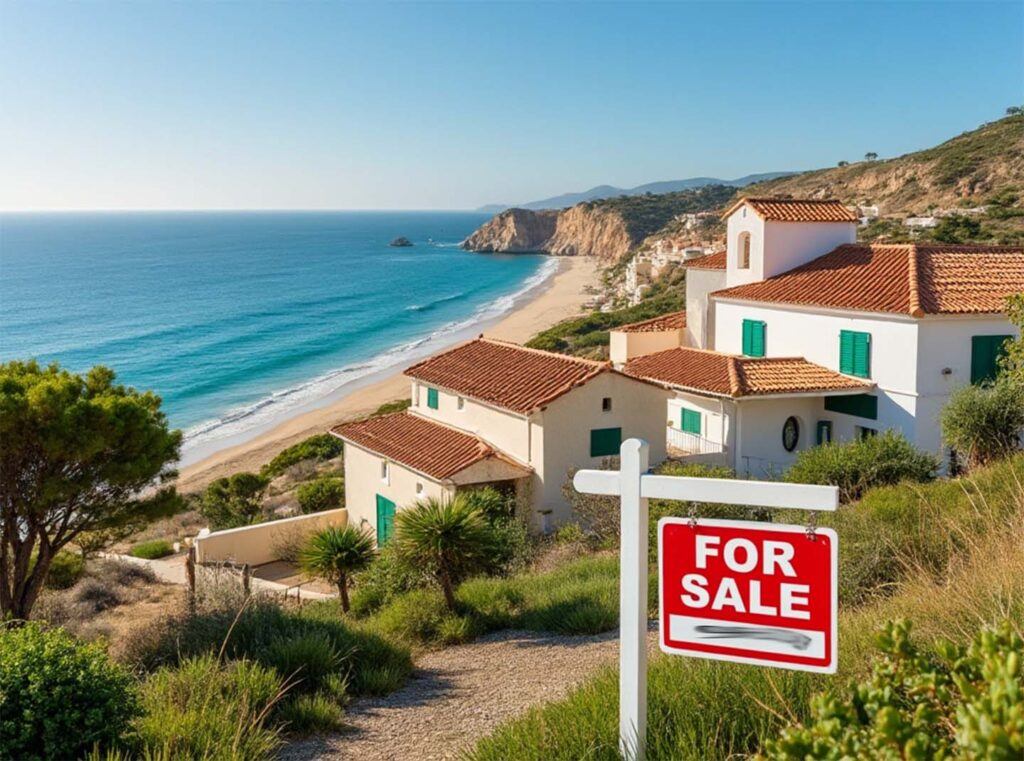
point(671, 321)
point(427, 447)
point(914, 279)
point(714, 261)
point(734, 376)
point(796, 210)
point(506, 375)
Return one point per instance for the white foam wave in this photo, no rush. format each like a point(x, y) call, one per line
point(202, 440)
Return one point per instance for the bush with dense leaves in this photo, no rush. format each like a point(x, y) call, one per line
point(66, 568)
point(984, 423)
point(854, 466)
point(322, 446)
point(59, 696)
point(953, 702)
point(152, 550)
point(234, 500)
point(325, 493)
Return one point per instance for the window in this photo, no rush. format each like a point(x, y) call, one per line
point(859, 405)
point(432, 398)
point(606, 404)
point(385, 471)
point(605, 442)
point(790, 433)
point(753, 338)
point(744, 250)
point(985, 354)
point(690, 421)
point(864, 432)
point(855, 353)
point(824, 432)
point(461, 403)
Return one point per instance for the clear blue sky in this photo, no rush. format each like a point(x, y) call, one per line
point(327, 105)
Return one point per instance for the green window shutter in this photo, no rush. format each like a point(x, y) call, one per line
point(985, 354)
point(690, 421)
point(605, 442)
point(432, 398)
point(855, 353)
point(753, 338)
point(824, 432)
point(858, 405)
point(385, 520)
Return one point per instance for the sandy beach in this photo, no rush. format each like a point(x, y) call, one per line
point(563, 295)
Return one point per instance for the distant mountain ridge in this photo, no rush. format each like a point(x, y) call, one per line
point(600, 192)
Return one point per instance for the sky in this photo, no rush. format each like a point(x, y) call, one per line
point(449, 106)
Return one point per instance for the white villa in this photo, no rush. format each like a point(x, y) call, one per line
point(793, 336)
point(796, 335)
point(495, 413)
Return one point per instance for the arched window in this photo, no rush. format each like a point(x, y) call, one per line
point(744, 263)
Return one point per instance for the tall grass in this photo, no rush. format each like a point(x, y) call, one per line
point(952, 563)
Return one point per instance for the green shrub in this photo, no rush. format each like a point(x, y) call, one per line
point(396, 406)
point(389, 575)
point(854, 466)
point(305, 660)
point(204, 709)
point(65, 569)
point(322, 446)
point(151, 550)
point(324, 493)
point(234, 500)
point(58, 696)
point(953, 702)
point(310, 714)
point(984, 423)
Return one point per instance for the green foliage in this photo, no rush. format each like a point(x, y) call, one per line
point(65, 569)
point(334, 553)
point(957, 229)
point(389, 575)
point(59, 696)
point(512, 547)
point(983, 423)
point(234, 500)
point(310, 714)
point(396, 406)
point(205, 709)
point(451, 537)
point(77, 453)
point(647, 214)
point(322, 446)
point(153, 549)
point(854, 466)
point(306, 660)
point(955, 702)
point(1012, 361)
point(369, 663)
point(324, 493)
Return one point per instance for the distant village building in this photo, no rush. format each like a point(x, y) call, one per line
point(921, 222)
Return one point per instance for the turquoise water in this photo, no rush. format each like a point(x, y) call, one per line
point(238, 318)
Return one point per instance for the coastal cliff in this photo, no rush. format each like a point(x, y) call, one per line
point(605, 229)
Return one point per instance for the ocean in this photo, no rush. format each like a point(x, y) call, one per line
point(241, 319)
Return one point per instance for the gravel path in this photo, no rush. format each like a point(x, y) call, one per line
point(460, 694)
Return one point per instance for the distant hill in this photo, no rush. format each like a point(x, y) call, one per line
point(600, 192)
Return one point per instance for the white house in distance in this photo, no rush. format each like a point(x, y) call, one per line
point(491, 412)
point(797, 335)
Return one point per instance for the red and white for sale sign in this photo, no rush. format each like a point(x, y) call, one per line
point(750, 592)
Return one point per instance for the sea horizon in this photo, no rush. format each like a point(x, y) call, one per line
point(240, 320)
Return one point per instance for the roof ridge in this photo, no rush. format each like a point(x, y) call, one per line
point(544, 352)
point(913, 283)
point(735, 387)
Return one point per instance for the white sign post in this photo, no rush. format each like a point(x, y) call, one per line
point(634, 486)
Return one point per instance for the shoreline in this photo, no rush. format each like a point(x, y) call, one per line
point(560, 296)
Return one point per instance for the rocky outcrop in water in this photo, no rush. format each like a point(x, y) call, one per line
point(583, 230)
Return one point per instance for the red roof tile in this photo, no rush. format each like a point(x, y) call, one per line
point(665, 322)
point(714, 261)
point(506, 375)
point(796, 210)
point(734, 376)
point(427, 447)
point(914, 279)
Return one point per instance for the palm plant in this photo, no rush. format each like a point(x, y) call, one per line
point(334, 553)
point(450, 537)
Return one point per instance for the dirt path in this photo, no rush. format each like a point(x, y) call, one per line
point(460, 694)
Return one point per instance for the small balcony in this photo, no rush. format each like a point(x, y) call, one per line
point(685, 444)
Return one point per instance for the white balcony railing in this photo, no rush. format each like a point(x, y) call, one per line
point(690, 443)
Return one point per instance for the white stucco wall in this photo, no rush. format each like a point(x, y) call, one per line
point(625, 346)
point(790, 244)
point(716, 414)
point(700, 319)
point(760, 452)
point(744, 220)
point(258, 544)
point(638, 408)
point(363, 483)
